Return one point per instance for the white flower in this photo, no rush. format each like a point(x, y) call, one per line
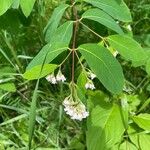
point(89, 85)
point(60, 77)
point(76, 111)
point(92, 75)
point(51, 78)
point(115, 53)
point(129, 27)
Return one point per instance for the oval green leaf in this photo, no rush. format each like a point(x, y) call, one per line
point(53, 23)
point(27, 6)
point(117, 10)
point(103, 18)
point(104, 65)
point(127, 47)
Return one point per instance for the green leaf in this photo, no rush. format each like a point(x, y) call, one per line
point(127, 47)
point(63, 33)
point(126, 145)
point(144, 141)
point(140, 139)
point(81, 91)
point(15, 4)
point(4, 6)
point(148, 67)
point(36, 73)
point(27, 6)
point(103, 18)
point(102, 130)
point(53, 23)
point(50, 51)
point(117, 10)
point(32, 116)
point(104, 65)
point(10, 87)
point(143, 121)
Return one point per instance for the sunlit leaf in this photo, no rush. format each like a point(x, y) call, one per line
point(143, 121)
point(4, 6)
point(36, 73)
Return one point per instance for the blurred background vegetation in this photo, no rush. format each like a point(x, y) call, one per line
point(21, 39)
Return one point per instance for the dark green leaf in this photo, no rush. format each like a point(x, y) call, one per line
point(50, 51)
point(4, 6)
point(127, 47)
point(103, 18)
point(104, 65)
point(117, 10)
point(53, 23)
point(63, 33)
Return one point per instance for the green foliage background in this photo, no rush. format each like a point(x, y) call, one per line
point(21, 39)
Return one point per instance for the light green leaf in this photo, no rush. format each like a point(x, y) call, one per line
point(126, 145)
point(140, 139)
point(10, 87)
point(127, 47)
point(144, 141)
point(53, 23)
point(117, 10)
point(104, 65)
point(143, 121)
point(63, 33)
point(102, 130)
point(4, 6)
point(148, 66)
point(103, 18)
point(36, 73)
point(15, 4)
point(50, 51)
point(27, 6)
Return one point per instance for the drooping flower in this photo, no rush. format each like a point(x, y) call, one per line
point(89, 85)
point(51, 78)
point(92, 75)
point(129, 27)
point(115, 53)
point(76, 110)
point(60, 77)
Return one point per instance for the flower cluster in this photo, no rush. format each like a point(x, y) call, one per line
point(76, 110)
point(59, 78)
point(89, 84)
